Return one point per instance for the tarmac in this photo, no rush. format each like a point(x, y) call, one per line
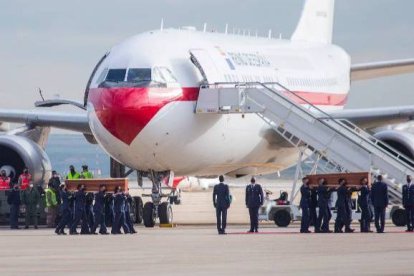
point(194, 248)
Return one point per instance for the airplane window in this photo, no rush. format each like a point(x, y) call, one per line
point(102, 75)
point(116, 75)
point(139, 75)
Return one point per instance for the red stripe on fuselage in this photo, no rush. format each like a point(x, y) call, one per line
point(125, 111)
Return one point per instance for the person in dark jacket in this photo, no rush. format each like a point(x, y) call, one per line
point(344, 208)
point(408, 203)
point(31, 200)
point(305, 202)
point(89, 209)
point(254, 199)
point(128, 220)
point(80, 212)
point(324, 195)
point(99, 211)
point(13, 200)
point(363, 202)
point(119, 210)
point(313, 204)
point(65, 210)
point(221, 201)
point(379, 198)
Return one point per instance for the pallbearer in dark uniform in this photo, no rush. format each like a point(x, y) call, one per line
point(305, 202)
point(363, 202)
point(99, 211)
point(408, 203)
point(221, 201)
point(344, 208)
point(379, 198)
point(312, 207)
point(80, 212)
point(65, 210)
point(324, 195)
point(254, 199)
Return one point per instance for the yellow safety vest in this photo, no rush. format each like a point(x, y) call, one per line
point(51, 200)
point(74, 176)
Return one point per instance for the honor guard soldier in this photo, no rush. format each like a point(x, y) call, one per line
point(324, 195)
point(254, 199)
point(379, 198)
point(408, 203)
point(128, 220)
point(79, 213)
point(99, 211)
point(363, 202)
point(221, 201)
point(119, 210)
point(305, 202)
point(65, 210)
point(344, 208)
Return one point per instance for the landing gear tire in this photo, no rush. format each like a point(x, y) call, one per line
point(282, 218)
point(399, 218)
point(165, 213)
point(139, 210)
point(149, 216)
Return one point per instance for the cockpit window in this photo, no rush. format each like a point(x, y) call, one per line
point(139, 75)
point(116, 75)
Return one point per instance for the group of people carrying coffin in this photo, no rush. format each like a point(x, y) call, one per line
point(95, 210)
point(317, 196)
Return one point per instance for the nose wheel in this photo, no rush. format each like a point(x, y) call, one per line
point(157, 208)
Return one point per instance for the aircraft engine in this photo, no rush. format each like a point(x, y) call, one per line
point(17, 152)
point(399, 140)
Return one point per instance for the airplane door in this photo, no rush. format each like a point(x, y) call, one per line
point(205, 63)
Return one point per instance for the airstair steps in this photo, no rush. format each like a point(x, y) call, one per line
point(346, 146)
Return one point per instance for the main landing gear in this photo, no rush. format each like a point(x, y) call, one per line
point(156, 209)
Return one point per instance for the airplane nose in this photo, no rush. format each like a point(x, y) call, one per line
point(125, 111)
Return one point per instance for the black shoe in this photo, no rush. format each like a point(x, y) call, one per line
point(223, 233)
point(104, 233)
point(349, 230)
point(250, 231)
point(409, 230)
point(256, 231)
point(26, 227)
point(63, 233)
point(94, 233)
point(57, 232)
point(338, 231)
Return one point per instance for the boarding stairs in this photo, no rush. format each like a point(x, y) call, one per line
point(342, 144)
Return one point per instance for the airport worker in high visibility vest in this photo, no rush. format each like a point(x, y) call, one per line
point(4, 181)
point(24, 179)
point(52, 206)
point(86, 174)
point(73, 174)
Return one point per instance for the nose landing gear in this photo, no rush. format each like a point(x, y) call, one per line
point(156, 209)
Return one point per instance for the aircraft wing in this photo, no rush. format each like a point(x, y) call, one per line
point(375, 117)
point(364, 71)
point(70, 121)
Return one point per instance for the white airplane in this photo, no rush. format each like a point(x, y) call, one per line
point(140, 101)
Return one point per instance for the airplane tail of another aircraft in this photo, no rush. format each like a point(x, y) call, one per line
point(316, 22)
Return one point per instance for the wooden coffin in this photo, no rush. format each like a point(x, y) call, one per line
point(353, 179)
point(92, 185)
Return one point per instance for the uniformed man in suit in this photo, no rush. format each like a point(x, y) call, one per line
point(254, 199)
point(379, 198)
point(408, 203)
point(99, 211)
point(221, 201)
point(80, 212)
point(312, 207)
point(324, 195)
point(305, 202)
point(363, 202)
point(65, 210)
point(344, 208)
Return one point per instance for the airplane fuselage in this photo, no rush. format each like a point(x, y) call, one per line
point(142, 98)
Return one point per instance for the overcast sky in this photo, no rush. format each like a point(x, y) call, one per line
point(55, 44)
